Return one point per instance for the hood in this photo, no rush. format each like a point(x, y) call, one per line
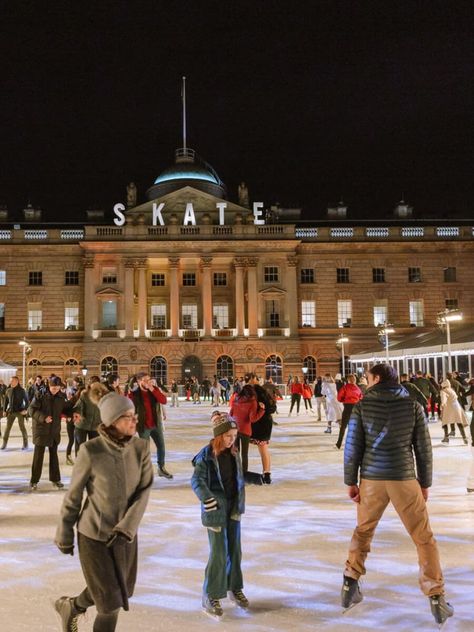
point(386, 392)
point(205, 453)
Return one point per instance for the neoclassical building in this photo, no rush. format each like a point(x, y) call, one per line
point(188, 282)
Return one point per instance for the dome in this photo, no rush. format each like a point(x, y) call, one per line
point(188, 170)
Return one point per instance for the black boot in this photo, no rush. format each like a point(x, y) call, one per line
point(350, 593)
point(440, 608)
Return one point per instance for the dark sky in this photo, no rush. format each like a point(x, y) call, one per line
point(305, 101)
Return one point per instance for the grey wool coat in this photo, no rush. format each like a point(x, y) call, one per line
point(117, 479)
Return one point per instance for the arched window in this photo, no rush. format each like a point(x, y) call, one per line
point(70, 367)
point(225, 367)
point(310, 363)
point(274, 368)
point(108, 365)
point(34, 362)
point(159, 369)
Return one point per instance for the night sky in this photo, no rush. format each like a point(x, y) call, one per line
point(305, 101)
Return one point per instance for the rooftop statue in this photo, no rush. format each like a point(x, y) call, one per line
point(243, 195)
point(131, 195)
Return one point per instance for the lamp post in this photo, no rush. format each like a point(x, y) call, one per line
point(341, 341)
point(385, 331)
point(25, 349)
point(444, 318)
point(84, 371)
point(305, 371)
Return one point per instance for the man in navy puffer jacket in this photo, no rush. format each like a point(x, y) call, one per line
point(387, 435)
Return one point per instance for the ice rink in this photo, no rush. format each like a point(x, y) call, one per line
point(295, 536)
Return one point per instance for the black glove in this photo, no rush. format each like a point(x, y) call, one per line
point(117, 538)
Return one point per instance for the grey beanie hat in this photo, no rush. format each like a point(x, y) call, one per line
point(112, 406)
point(221, 423)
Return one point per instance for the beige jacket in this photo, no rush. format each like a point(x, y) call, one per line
point(451, 410)
point(117, 480)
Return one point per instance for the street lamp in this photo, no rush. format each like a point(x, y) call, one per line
point(84, 371)
point(384, 332)
point(341, 341)
point(26, 349)
point(444, 318)
point(305, 371)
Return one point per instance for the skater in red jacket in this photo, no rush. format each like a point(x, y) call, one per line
point(348, 395)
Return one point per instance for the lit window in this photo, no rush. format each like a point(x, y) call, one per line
point(157, 279)
point(35, 319)
point(220, 316)
point(414, 275)
point(2, 316)
point(307, 275)
point(308, 313)
point(271, 274)
point(158, 316)
point(416, 313)
point(378, 275)
point(380, 313)
point(109, 315)
point(189, 278)
point(71, 317)
point(71, 277)
point(159, 369)
point(3, 277)
point(342, 275)
point(225, 367)
point(344, 313)
point(272, 309)
point(189, 316)
point(220, 278)
point(35, 278)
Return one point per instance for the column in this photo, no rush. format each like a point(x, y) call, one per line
point(142, 297)
point(239, 263)
point(174, 295)
point(292, 306)
point(252, 295)
point(128, 299)
point(206, 296)
point(90, 301)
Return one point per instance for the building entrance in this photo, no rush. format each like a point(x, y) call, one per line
point(192, 367)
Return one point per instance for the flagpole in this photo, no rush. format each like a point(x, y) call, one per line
point(183, 94)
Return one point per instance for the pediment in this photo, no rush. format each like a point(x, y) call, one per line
point(272, 292)
point(108, 292)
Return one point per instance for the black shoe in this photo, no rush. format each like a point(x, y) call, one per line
point(253, 478)
point(68, 612)
point(267, 478)
point(445, 440)
point(4, 446)
point(440, 608)
point(25, 446)
point(452, 433)
point(58, 484)
point(162, 471)
point(350, 593)
point(469, 490)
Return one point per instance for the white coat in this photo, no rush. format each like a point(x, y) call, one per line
point(451, 410)
point(334, 408)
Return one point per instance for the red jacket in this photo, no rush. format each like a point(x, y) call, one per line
point(246, 411)
point(297, 389)
point(349, 394)
point(307, 391)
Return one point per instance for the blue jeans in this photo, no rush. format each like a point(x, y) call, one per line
point(223, 570)
point(159, 440)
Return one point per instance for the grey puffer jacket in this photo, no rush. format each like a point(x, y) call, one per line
point(387, 433)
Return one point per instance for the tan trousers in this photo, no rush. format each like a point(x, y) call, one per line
point(410, 505)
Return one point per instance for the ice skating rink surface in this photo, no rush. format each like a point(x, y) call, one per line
point(295, 535)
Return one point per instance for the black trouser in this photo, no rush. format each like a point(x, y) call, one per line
point(37, 466)
point(461, 430)
point(307, 403)
point(295, 399)
point(82, 436)
point(243, 442)
point(102, 622)
point(70, 435)
point(346, 415)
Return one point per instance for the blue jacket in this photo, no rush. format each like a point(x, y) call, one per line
point(207, 483)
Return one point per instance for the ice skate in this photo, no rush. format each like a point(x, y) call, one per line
point(350, 593)
point(68, 613)
point(238, 597)
point(440, 609)
point(212, 607)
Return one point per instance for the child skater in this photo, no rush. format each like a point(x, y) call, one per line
point(218, 482)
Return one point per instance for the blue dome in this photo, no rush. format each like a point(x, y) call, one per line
point(186, 171)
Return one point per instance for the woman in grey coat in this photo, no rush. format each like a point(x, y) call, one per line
point(115, 470)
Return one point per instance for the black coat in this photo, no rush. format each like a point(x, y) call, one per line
point(262, 429)
point(42, 406)
point(386, 429)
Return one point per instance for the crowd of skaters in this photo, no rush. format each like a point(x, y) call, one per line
point(101, 410)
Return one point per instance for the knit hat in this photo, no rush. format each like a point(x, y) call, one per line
point(221, 423)
point(112, 406)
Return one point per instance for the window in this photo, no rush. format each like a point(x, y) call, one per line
point(416, 313)
point(71, 362)
point(380, 313)
point(344, 313)
point(189, 316)
point(108, 365)
point(274, 369)
point(157, 279)
point(342, 275)
point(225, 367)
point(308, 313)
point(71, 277)
point(310, 363)
point(109, 315)
point(451, 303)
point(220, 316)
point(378, 275)
point(414, 275)
point(35, 278)
point(159, 369)
point(109, 275)
point(2, 316)
point(271, 274)
point(449, 275)
point(189, 278)
point(220, 278)
point(272, 309)
point(71, 317)
point(158, 316)
point(3, 277)
point(34, 362)
point(35, 319)
point(307, 275)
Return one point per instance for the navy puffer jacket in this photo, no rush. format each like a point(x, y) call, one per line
point(387, 433)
